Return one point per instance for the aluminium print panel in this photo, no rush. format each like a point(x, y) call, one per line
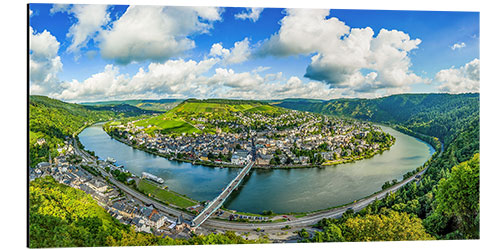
point(168, 125)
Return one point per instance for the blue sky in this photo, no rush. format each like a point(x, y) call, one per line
point(98, 52)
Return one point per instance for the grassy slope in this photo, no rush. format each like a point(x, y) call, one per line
point(175, 120)
point(167, 123)
point(206, 107)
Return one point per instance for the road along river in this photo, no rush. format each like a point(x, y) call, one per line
point(279, 190)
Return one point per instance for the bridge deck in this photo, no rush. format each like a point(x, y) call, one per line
point(221, 198)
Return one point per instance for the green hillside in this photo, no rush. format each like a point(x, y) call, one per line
point(125, 109)
point(53, 120)
point(222, 106)
point(184, 117)
point(167, 124)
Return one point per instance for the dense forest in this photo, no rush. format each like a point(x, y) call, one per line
point(452, 178)
point(125, 109)
point(52, 120)
point(62, 216)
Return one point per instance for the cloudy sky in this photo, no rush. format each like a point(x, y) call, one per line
point(105, 52)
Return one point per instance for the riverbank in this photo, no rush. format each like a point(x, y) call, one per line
point(228, 165)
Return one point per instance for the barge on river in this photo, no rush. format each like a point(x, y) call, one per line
point(152, 177)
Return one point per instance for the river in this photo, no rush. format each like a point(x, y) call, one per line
point(279, 190)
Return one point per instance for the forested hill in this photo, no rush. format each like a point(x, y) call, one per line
point(438, 115)
point(161, 105)
point(51, 120)
point(124, 109)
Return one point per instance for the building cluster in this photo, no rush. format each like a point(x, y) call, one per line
point(145, 218)
point(262, 138)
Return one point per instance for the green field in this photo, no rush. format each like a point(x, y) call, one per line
point(167, 124)
point(166, 196)
point(200, 107)
point(263, 108)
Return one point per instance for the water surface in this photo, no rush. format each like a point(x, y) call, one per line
point(279, 190)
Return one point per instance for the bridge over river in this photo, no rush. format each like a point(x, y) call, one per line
point(216, 203)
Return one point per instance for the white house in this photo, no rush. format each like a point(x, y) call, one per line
point(240, 157)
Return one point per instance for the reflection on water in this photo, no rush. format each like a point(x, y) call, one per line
point(280, 190)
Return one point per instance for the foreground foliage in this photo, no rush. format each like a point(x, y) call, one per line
point(387, 226)
point(62, 216)
point(458, 197)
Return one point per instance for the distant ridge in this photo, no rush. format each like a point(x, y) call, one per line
point(224, 101)
point(161, 105)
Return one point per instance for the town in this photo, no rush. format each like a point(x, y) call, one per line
point(286, 139)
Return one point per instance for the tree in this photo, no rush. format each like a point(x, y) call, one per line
point(458, 196)
point(275, 160)
point(211, 156)
point(331, 233)
point(303, 234)
point(388, 226)
point(267, 212)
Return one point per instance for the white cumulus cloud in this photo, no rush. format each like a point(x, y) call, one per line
point(458, 46)
point(174, 78)
point(59, 8)
point(462, 80)
point(155, 33)
point(184, 79)
point(44, 63)
point(339, 54)
point(90, 20)
point(238, 54)
point(252, 14)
